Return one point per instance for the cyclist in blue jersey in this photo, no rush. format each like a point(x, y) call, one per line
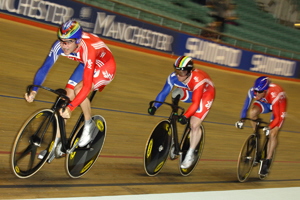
point(95, 70)
point(265, 97)
point(194, 86)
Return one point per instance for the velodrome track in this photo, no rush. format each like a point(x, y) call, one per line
point(119, 170)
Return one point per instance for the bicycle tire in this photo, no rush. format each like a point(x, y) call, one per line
point(185, 145)
point(82, 159)
point(157, 147)
point(24, 159)
point(246, 158)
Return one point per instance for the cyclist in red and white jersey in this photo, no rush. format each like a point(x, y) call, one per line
point(267, 97)
point(95, 70)
point(194, 86)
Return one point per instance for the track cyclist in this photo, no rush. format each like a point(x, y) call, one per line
point(194, 86)
point(268, 97)
point(95, 70)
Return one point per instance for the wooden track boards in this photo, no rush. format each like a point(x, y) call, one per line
point(124, 103)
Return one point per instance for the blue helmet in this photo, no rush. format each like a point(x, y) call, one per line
point(261, 83)
point(70, 30)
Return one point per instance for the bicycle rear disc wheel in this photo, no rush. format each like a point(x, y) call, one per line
point(36, 135)
point(246, 158)
point(185, 145)
point(157, 147)
point(81, 160)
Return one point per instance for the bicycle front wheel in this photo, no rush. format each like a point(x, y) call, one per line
point(81, 160)
point(185, 145)
point(246, 158)
point(157, 147)
point(34, 143)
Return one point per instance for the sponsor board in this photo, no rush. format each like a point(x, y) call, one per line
point(132, 31)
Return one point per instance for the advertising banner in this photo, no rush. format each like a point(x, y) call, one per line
point(132, 31)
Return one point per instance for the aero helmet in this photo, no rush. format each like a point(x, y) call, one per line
point(70, 30)
point(184, 63)
point(261, 83)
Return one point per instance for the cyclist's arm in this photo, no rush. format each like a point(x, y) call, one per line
point(88, 73)
point(42, 72)
point(247, 102)
point(165, 91)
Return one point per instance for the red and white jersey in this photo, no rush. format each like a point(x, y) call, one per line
point(199, 90)
point(93, 53)
point(200, 84)
point(277, 98)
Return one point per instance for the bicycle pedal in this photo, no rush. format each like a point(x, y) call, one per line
point(42, 154)
point(51, 158)
point(58, 152)
point(94, 134)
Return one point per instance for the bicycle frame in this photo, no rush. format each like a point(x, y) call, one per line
point(61, 102)
point(173, 119)
point(260, 144)
point(164, 141)
point(254, 150)
point(46, 132)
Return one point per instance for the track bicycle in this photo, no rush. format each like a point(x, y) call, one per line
point(253, 152)
point(43, 137)
point(163, 142)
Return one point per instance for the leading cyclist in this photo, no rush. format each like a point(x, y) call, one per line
point(194, 86)
point(95, 70)
point(268, 97)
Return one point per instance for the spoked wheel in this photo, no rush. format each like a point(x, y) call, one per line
point(81, 160)
point(246, 158)
point(33, 143)
point(157, 147)
point(263, 157)
point(185, 145)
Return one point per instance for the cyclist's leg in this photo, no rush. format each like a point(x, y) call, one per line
point(73, 87)
point(258, 108)
point(196, 132)
point(268, 153)
point(272, 144)
point(195, 123)
point(85, 104)
point(103, 75)
point(89, 125)
point(254, 113)
point(199, 116)
point(177, 94)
